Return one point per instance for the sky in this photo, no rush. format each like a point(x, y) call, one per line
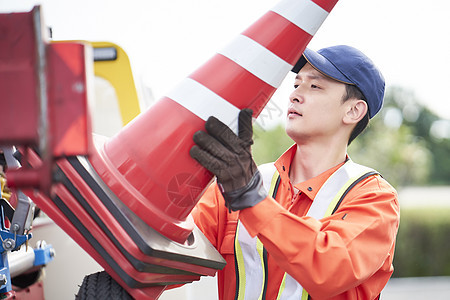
point(166, 40)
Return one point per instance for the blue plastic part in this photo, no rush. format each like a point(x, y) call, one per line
point(18, 238)
point(4, 273)
point(43, 255)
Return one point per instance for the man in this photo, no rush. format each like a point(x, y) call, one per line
point(319, 226)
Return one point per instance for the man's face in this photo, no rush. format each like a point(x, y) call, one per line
point(315, 108)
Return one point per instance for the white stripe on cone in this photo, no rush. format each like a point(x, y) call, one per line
point(304, 13)
point(204, 103)
point(257, 59)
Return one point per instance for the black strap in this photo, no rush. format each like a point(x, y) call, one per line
point(266, 272)
point(236, 271)
point(351, 186)
point(275, 189)
point(266, 268)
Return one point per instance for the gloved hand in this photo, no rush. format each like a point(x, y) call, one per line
point(229, 158)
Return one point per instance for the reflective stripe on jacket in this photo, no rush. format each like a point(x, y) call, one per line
point(250, 252)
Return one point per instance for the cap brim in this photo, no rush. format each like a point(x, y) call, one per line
point(321, 64)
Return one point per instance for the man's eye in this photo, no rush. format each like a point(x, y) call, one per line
point(295, 86)
point(315, 86)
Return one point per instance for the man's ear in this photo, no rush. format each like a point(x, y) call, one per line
point(356, 110)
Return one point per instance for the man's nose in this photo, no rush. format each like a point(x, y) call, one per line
point(296, 95)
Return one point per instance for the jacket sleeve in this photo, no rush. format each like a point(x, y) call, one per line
point(337, 253)
point(213, 219)
point(206, 215)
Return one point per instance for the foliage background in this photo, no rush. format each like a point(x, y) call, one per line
point(423, 243)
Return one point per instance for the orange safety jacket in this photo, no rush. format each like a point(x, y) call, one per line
point(347, 255)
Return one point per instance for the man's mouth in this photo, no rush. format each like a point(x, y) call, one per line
point(293, 112)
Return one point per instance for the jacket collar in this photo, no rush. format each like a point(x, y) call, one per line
point(309, 187)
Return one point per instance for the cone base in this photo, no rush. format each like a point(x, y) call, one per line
point(137, 253)
point(196, 250)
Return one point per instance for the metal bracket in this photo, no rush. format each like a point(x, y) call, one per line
point(23, 216)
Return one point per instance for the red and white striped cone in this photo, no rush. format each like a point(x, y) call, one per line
point(147, 164)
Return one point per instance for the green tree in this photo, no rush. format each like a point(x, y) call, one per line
point(396, 153)
point(269, 144)
point(420, 121)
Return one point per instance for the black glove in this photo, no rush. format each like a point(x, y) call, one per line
point(229, 158)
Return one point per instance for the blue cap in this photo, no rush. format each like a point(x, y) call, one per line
point(348, 65)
